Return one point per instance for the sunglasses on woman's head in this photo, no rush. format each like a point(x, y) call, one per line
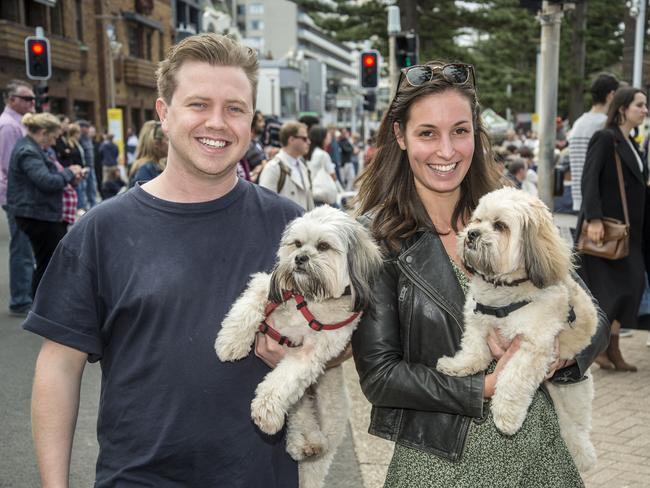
point(454, 73)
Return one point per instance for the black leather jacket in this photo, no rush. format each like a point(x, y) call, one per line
point(418, 318)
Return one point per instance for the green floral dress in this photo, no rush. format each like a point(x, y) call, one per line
point(535, 457)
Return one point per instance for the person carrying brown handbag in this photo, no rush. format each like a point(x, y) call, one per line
point(617, 283)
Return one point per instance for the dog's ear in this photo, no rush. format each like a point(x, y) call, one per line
point(364, 262)
point(275, 289)
point(547, 256)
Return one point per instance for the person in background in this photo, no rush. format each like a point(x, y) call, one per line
point(318, 159)
point(19, 100)
point(114, 184)
point(92, 137)
point(602, 92)
point(255, 156)
point(108, 154)
point(433, 164)
point(287, 174)
point(617, 284)
point(35, 189)
point(334, 150)
point(516, 172)
point(130, 148)
point(150, 154)
point(90, 180)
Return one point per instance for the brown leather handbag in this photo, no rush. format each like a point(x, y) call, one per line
point(616, 242)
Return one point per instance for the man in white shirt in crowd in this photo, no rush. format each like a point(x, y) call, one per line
point(287, 173)
point(602, 92)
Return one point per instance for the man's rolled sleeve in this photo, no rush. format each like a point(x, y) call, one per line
point(66, 307)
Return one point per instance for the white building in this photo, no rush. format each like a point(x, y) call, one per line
point(282, 33)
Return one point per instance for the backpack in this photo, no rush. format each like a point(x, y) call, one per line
point(284, 171)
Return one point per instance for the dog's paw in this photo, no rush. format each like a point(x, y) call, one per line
point(230, 349)
point(448, 365)
point(267, 413)
point(507, 422)
point(310, 445)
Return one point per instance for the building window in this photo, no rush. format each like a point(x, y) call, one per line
point(57, 24)
point(35, 14)
point(241, 9)
point(288, 102)
point(161, 45)
point(134, 34)
point(149, 44)
point(83, 110)
point(79, 20)
point(256, 9)
point(257, 25)
point(10, 10)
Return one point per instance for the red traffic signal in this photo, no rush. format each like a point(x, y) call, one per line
point(37, 58)
point(369, 68)
point(38, 48)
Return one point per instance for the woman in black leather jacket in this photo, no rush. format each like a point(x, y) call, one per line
point(433, 163)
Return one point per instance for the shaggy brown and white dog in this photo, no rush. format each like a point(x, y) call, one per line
point(522, 285)
point(326, 262)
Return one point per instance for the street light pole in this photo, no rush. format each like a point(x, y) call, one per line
point(551, 20)
point(640, 7)
point(394, 27)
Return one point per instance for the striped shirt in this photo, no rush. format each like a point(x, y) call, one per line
point(581, 133)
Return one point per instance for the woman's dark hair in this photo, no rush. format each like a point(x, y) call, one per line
point(317, 136)
point(623, 98)
point(387, 187)
point(257, 114)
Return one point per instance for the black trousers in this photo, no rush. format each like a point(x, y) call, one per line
point(44, 237)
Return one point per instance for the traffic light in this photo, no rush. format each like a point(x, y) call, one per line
point(369, 68)
point(37, 58)
point(42, 103)
point(369, 100)
point(406, 49)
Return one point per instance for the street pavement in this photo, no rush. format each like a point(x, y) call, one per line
point(621, 417)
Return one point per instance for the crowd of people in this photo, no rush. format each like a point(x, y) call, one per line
point(142, 281)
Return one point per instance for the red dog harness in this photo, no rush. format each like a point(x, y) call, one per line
point(301, 305)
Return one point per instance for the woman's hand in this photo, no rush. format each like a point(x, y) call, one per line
point(502, 356)
point(596, 231)
point(558, 363)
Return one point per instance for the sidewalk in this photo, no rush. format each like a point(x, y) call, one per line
point(621, 426)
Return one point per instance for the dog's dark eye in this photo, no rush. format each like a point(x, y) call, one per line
point(297, 243)
point(500, 226)
point(323, 246)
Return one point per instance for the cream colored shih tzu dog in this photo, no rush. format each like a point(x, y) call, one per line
point(311, 302)
point(522, 285)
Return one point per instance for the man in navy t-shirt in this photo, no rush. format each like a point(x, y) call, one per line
point(142, 283)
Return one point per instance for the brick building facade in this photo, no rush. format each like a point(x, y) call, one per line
point(81, 85)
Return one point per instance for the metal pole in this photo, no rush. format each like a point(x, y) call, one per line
point(551, 20)
point(637, 80)
point(394, 26)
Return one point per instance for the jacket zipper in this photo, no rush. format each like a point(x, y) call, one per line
point(422, 286)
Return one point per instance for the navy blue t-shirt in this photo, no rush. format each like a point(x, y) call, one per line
point(142, 285)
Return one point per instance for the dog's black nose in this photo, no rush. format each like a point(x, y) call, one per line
point(301, 259)
point(472, 235)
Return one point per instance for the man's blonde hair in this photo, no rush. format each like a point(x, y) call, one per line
point(290, 129)
point(213, 49)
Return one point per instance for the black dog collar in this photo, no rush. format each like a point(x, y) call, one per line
point(499, 312)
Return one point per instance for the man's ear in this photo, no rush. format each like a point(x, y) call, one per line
point(161, 110)
point(399, 136)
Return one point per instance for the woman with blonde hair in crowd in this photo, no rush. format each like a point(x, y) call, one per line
point(35, 188)
point(150, 153)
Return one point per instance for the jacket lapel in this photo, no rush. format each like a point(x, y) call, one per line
point(627, 156)
point(428, 260)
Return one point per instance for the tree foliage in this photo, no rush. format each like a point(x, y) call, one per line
point(498, 36)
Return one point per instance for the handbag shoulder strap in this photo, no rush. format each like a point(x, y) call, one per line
point(621, 186)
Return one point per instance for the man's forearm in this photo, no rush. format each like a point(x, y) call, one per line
point(55, 404)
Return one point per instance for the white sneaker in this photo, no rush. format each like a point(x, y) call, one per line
point(625, 333)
